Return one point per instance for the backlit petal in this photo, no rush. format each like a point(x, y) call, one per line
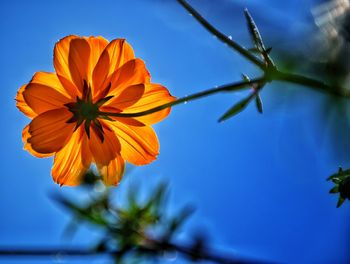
point(71, 60)
point(139, 145)
point(131, 73)
point(154, 95)
point(22, 104)
point(28, 146)
point(113, 172)
point(50, 79)
point(78, 61)
point(119, 52)
point(128, 97)
point(69, 168)
point(42, 98)
point(103, 152)
point(97, 46)
point(49, 131)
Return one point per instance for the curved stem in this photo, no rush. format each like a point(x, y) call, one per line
point(244, 52)
point(224, 88)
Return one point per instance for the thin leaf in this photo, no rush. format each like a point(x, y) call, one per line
point(340, 201)
point(235, 109)
point(259, 104)
point(254, 32)
point(257, 39)
point(334, 189)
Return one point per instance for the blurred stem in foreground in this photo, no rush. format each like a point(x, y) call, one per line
point(134, 232)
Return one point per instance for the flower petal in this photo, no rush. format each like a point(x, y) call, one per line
point(71, 60)
point(69, 168)
point(22, 104)
point(139, 145)
point(42, 98)
point(119, 52)
point(131, 73)
point(129, 96)
point(50, 79)
point(113, 172)
point(49, 131)
point(97, 46)
point(78, 61)
point(154, 95)
point(28, 146)
point(103, 151)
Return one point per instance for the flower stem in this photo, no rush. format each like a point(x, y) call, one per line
point(224, 88)
point(309, 82)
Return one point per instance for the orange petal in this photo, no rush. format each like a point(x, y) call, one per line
point(71, 60)
point(115, 55)
point(103, 152)
point(113, 173)
point(22, 104)
point(97, 46)
point(154, 95)
point(139, 145)
point(100, 78)
point(49, 131)
point(99, 64)
point(60, 57)
point(131, 73)
point(78, 61)
point(69, 168)
point(119, 52)
point(50, 79)
point(28, 146)
point(128, 97)
point(42, 98)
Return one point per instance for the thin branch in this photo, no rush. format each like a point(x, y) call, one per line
point(244, 52)
point(79, 252)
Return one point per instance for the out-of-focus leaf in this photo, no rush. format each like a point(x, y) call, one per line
point(340, 201)
point(342, 185)
point(178, 220)
point(334, 190)
point(259, 104)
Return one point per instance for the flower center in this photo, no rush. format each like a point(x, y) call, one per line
point(87, 112)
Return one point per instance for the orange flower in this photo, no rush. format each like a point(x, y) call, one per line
point(70, 109)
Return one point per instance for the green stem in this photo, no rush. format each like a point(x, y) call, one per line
point(309, 82)
point(224, 88)
point(244, 52)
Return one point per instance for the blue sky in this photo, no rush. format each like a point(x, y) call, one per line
point(258, 181)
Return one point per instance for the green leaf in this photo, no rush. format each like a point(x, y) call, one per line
point(340, 201)
point(259, 104)
point(257, 39)
point(334, 189)
point(254, 32)
point(235, 109)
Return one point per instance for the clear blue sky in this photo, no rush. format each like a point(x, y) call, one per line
point(258, 181)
